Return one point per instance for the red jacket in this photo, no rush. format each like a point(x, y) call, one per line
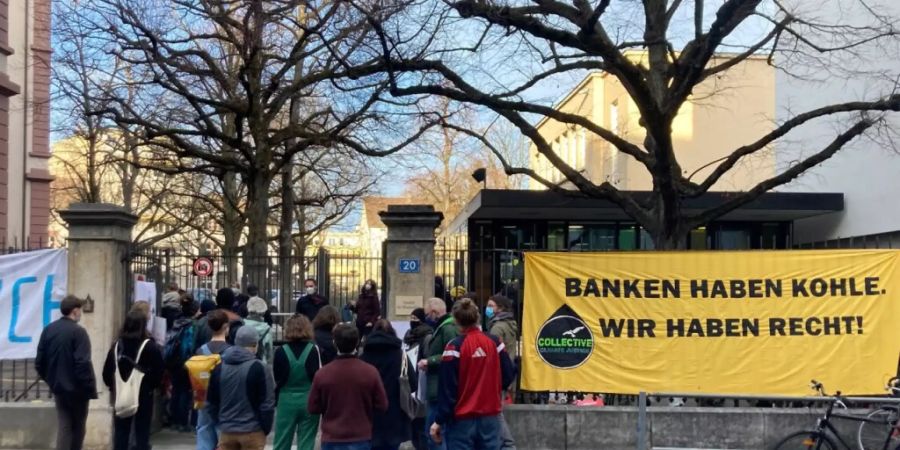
point(475, 368)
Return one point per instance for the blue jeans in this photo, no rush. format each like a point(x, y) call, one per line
point(482, 433)
point(361, 445)
point(207, 436)
point(432, 413)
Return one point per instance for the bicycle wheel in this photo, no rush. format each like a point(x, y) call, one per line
point(878, 428)
point(806, 440)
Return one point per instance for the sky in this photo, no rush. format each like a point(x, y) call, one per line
point(622, 22)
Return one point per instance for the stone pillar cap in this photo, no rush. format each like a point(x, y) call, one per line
point(424, 215)
point(98, 214)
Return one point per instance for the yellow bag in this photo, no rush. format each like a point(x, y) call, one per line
point(200, 369)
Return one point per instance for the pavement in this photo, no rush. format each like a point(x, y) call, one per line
point(173, 440)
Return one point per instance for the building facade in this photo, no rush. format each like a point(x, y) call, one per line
point(866, 170)
point(703, 131)
point(24, 122)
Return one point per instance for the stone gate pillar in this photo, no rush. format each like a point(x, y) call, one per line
point(409, 257)
point(99, 237)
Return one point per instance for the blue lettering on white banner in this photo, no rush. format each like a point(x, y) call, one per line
point(31, 287)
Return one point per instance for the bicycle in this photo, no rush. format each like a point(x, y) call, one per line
point(825, 436)
point(880, 431)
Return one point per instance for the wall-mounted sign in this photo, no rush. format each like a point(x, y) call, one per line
point(203, 267)
point(405, 304)
point(409, 266)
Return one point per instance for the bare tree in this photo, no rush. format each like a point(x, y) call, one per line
point(499, 55)
point(94, 161)
point(221, 75)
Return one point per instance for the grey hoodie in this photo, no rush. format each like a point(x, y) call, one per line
point(241, 397)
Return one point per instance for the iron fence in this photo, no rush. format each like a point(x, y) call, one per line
point(338, 275)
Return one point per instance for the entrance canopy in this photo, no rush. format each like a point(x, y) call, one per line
point(547, 205)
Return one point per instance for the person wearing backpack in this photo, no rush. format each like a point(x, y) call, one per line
point(256, 309)
point(224, 300)
point(132, 371)
point(200, 369)
point(179, 348)
point(383, 351)
point(241, 396)
point(295, 365)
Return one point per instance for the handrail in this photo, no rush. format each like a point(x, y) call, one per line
point(815, 398)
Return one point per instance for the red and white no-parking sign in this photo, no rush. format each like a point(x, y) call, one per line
point(203, 267)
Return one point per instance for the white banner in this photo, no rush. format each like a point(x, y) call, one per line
point(31, 286)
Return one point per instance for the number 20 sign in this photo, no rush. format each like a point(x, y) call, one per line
point(409, 266)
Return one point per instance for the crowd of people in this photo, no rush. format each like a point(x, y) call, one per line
point(355, 384)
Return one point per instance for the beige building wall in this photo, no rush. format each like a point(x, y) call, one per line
point(733, 109)
point(24, 122)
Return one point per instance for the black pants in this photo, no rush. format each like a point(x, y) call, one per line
point(136, 428)
point(418, 440)
point(181, 403)
point(72, 417)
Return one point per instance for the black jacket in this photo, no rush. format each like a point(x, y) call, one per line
point(325, 341)
point(64, 360)
point(151, 363)
point(309, 305)
point(383, 351)
point(281, 366)
point(415, 337)
point(368, 310)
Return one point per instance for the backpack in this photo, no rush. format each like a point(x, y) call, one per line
point(260, 348)
point(235, 325)
point(128, 391)
point(233, 328)
point(179, 344)
point(200, 368)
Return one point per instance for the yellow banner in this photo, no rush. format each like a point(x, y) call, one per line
point(759, 322)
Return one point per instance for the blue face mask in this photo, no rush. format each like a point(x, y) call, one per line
point(489, 312)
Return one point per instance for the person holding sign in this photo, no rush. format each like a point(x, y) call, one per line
point(64, 362)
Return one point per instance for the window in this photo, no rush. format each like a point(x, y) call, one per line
point(646, 241)
point(556, 236)
point(612, 173)
point(627, 236)
point(697, 239)
point(614, 117)
point(581, 150)
point(732, 239)
point(592, 237)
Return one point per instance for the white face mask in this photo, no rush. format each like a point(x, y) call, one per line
point(368, 287)
point(310, 290)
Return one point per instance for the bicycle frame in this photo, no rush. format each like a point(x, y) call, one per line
point(824, 427)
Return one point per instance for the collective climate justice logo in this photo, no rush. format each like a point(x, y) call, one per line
point(565, 341)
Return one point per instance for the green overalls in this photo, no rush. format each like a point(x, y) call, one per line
point(291, 413)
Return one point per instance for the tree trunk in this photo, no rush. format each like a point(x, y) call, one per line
point(285, 240)
point(256, 252)
point(668, 230)
point(673, 240)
